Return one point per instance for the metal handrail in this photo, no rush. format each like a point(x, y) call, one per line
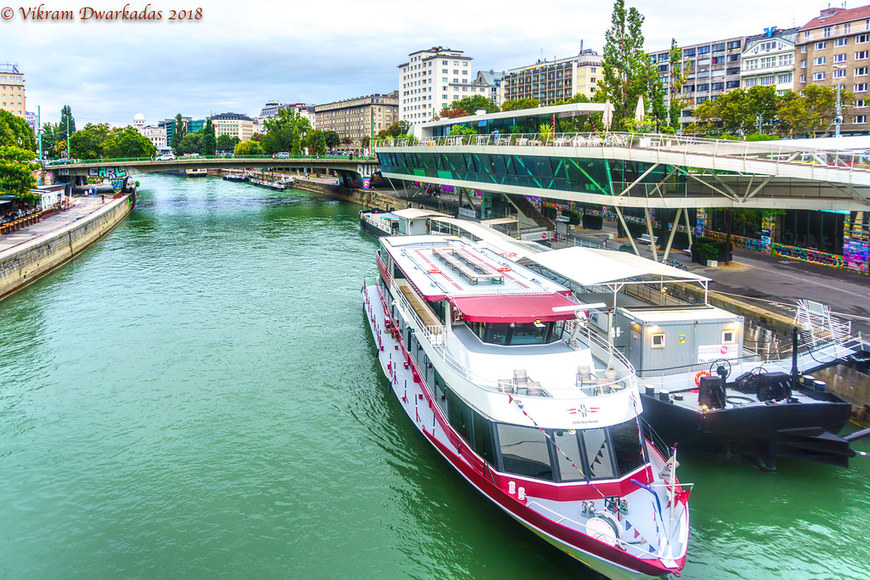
point(779, 153)
point(67, 162)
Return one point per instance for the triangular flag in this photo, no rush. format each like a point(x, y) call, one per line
point(652, 550)
point(627, 525)
point(636, 534)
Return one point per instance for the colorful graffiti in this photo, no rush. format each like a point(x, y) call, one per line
point(109, 172)
point(812, 256)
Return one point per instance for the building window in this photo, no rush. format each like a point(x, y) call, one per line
point(860, 87)
point(860, 71)
point(819, 76)
point(819, 60)
point(847, 28)
point(658, 340)
point(840, 57)
point(861, 118)
point(821, 45)
point(803, 78)
point(861, 55)
point(862, 38)
point(804, 49)
point(839, 74)
point(826, 32)
point(841, 42)
point(803, 64)
point(860, 103)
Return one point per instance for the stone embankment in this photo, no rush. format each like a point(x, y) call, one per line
point(24, 263)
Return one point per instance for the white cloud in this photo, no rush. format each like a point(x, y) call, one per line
point(241, 54)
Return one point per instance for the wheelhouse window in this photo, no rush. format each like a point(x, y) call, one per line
point(518, 333)
point(627, 446)
point(524, 451)
point(597, 449)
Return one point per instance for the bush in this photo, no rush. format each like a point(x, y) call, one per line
point(635, 229)
point(573, 216)
point(709, 249)
point(593, 222)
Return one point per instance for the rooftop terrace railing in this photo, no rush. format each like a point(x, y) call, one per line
point(778, 152)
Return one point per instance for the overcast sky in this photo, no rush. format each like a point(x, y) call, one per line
point(242, 53)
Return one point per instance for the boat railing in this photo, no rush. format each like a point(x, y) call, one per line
point(618, 376)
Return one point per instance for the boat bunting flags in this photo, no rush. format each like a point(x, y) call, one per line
point(547, 435)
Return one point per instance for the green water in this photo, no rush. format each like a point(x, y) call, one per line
point(197, 396)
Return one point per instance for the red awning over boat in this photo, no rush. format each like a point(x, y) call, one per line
point(513, 308)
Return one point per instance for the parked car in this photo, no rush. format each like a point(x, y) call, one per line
point(282, 155)
point(166, 157)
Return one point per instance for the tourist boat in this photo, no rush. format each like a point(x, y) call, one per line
point(702, 388)
point(237, 177)
point(495, 365)
point(196, 172)
point(409, 221)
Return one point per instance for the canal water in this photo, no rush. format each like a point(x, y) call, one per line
point(197, 396)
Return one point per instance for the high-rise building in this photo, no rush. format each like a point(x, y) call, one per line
point(833, 49)
point(359, 117)
point(431, 80)
point(12, 93)
point(711, 69)
point(168, 126)
point(768, 60)
point(554, 80)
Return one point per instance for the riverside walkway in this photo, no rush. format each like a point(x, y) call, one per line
point(84, 206)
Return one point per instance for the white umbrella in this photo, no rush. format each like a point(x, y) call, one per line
point(607, 115)
point(639, 111)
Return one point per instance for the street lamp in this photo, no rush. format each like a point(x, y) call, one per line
point(838, 120)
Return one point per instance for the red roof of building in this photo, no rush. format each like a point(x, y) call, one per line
point(513, 307)
point(833, 16)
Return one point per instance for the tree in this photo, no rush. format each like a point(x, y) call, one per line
point(178, 134)
point(128, 142)
point(285, 131)
point(316, 142)
point(67, 125)
point(226, 143)
point(190, 143)
point(468, 106)
point(15, 132)
point(520, 104)
point(365, 141)
point(248, 148)
point(676, 80)
point(208, 143)
point(332, 138)
point(395, 130)
point(462, 129)
point(16, 170)
point(625, 65)
point(90, 142)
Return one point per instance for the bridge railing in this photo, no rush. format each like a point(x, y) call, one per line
point(778, 152)
point(184, 160)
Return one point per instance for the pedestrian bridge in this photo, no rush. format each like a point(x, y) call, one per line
point(639, 170)
point(117, 168)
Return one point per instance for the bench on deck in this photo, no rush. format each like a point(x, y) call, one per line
point(645, 239)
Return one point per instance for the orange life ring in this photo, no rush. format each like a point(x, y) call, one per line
point(698, 377)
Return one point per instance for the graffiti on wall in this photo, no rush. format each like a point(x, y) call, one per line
point(812, 256)
point(109, 172)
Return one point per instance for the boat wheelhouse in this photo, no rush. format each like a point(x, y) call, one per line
point(495, 365)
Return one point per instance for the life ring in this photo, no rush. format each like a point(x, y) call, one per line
point(698, 377)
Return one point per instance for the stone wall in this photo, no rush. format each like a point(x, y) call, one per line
point(26, 263)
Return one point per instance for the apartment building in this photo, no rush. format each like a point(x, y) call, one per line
point(768, 60)
point(556, 80)
point(232, 124)
point(12, 93)
point(711, 68)
point(431, 80)
point(358, 117)
point(492, 80)
point(833, 50)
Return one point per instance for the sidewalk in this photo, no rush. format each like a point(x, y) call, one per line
point(84, 206)
point(772, 282)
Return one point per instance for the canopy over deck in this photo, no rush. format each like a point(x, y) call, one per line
point(514, 308)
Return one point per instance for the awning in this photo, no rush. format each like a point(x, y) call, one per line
point(591, 266)
point(513, 307)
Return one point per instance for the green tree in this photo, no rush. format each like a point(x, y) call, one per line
point(468, 106)
point(208, 143)
point(67, 125)
point(519, 104)
point(625, 65)
point(49, 138)
point(178, 134)
point(462, 130)
point(316, 142)
point(15, 132)
point(332, 138)
point(91, 142)
point(285, 131)
point(16, 170)
point(395, 130)
point(128, 142)
point(676, 80)
point(248, 148)
point(190, 143)
point(226, 143)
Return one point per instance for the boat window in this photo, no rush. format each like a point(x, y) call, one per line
point(658, 340)
point(440, 393)
point(570, 446)
point(438, 307)
point(524, 451)
point(518, 333)
point(626, 446)
point(459, 415)
point(598, 455)
point(483, 438)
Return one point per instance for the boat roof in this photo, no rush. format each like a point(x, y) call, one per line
point(678, 314)
point(593, 266)
point(483, 285)
point(502, 243)
point(412, 213)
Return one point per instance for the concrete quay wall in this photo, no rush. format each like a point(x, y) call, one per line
point(31, 260)
point(369, 198)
